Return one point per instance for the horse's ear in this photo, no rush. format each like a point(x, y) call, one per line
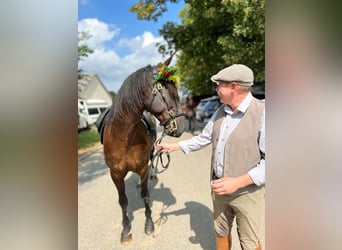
point(159, 67)
point(168, 61)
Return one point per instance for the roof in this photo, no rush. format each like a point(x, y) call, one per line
point(84, 82)
point(90, 86)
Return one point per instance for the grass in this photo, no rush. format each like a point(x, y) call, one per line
point(87, 138)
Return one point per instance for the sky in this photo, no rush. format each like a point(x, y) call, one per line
point(122, 43)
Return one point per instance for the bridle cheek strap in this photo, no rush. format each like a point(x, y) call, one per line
point(170, 124)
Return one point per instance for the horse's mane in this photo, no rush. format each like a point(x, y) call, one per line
point(131, 94)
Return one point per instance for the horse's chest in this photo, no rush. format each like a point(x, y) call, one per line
point(133, 157)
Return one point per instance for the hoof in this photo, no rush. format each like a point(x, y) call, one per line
point(126, 239)
point(149, 228)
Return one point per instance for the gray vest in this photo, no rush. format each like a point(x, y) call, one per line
point(242, 148)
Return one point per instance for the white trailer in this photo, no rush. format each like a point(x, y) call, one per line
point(89, 110)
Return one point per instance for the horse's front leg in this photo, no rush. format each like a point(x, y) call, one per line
point(119, 181)
point(145, 195)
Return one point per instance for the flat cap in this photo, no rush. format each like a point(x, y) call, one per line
point(235, 73)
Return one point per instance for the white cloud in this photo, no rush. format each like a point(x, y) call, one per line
point(140, 42)
point(100, 32)
point(149, 39)
point(106, 62)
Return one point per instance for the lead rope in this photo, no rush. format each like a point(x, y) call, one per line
point(157, 157)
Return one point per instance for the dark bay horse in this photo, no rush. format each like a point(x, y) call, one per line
point(127, 144)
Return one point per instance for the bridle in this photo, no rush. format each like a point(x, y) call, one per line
point(169, 124)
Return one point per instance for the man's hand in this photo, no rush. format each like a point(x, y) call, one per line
point(229, 185)
point(168, 148)
point(225, 185)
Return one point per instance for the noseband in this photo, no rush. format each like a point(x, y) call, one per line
point(170, 124)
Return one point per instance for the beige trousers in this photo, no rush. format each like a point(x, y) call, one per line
point(246, 209)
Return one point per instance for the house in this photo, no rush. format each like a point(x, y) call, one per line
point(91, 87)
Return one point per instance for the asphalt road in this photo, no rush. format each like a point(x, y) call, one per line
point(181, 205)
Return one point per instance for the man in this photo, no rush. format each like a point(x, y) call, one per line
point(237, 134)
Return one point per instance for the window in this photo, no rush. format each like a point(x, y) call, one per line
point(93, 111)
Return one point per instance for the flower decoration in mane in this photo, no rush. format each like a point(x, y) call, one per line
point(167, 74)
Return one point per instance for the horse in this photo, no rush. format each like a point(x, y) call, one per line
point(127, 144)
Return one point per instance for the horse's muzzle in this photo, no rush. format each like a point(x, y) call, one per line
point(175, 126)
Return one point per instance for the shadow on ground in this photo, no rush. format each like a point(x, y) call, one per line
point(200, 219)
point(91, 168)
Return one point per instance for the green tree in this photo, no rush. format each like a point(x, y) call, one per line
point(212, 35)
point(151, 9)
point(112, 93)
point(83, 49)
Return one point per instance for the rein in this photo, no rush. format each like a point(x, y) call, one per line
point(156, 159)
point(158, 155)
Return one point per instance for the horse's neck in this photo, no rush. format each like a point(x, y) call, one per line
point(122, 130)
point(129, 121)
point(131, 118)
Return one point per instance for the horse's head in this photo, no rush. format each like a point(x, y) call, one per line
point(164, 101)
